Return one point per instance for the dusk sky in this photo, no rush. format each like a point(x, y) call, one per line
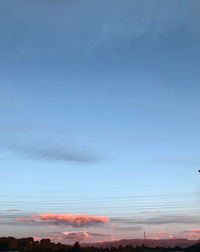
point(99, 119)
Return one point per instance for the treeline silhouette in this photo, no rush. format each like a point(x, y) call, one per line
point(45, 245)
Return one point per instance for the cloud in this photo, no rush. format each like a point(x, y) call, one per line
point(82, 235)
point(120, 25)
point(13, 210)
point(158, 211)
point(74, 220)
point(5, 128)
point(75, 236)
point(158, 220)
point(195, 232)
point(166, 235)
point(182, 162)
point(10, 215)
point(137, 19)
point(130, 228)
point(36, 238)
point(162, 233)
point(149, 211)
point(51, 153)
point(146, 211)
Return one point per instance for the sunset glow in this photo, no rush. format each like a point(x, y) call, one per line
point(66, 218)
point(99, 123)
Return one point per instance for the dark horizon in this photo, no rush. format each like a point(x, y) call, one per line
point(30, 244)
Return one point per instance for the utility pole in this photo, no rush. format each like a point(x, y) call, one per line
point(145, 235)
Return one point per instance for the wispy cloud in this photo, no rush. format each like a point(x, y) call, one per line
point(128, 228)
point(153, 212)
point(165, 235)
point(119, 27)
point(195, 232)
point(184, 162)
point(10, 129)
point(54, 153)
point(158, 220)
point(13, 210)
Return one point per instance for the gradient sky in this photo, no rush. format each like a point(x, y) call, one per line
point(100, 119)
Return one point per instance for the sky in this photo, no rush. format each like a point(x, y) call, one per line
point(99, 119)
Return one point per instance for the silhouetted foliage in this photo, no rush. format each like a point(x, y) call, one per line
point(4, 246)
point(45, 245)
point(76, 247)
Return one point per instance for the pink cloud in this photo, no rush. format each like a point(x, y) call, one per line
point(193, 230)
point(161, 233)
point(193, 234)
point(166, 235)
point(36, 238)
point(171, 237)
point(154, 237)
point(52, 226)
point(149, 211)
point(74, 220)
point(114, 225)
point(21, 219)
point(76, 236)
point(54, 237)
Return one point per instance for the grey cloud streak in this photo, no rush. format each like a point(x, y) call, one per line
point(130, 228)
point(160, 220)
point(54, 153)
point(58, 154)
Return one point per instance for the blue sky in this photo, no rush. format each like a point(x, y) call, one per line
point(100, 116)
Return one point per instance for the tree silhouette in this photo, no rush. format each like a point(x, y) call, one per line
point(77, 246)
